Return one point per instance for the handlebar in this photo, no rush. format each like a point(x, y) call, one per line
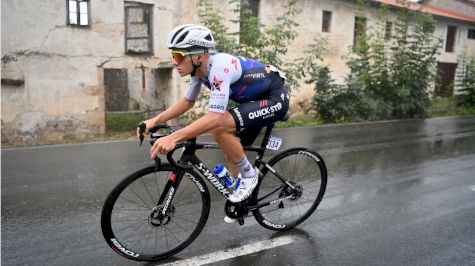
point(175, 163)
point(142, 126)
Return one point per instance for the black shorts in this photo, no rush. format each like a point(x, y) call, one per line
point(251, 116)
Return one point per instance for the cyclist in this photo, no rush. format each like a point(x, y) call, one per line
point(258, 90)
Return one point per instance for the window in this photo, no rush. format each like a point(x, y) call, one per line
point(388, 30)
point(254, 7)
point(78, 12)
point(360, 28)
point(471, 34)
point(138, 28)
point(249, 21)
point(326, 21)
point(450, 41)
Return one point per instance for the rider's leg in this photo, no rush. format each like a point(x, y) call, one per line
point(234, 151)
point(230, 144)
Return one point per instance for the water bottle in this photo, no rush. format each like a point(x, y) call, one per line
point(224, 176)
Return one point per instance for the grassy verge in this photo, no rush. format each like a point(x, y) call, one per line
point(298, 122)
point(122, 122)
point(448, 107)
point(122, 126)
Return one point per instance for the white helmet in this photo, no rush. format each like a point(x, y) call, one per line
point(190, 36)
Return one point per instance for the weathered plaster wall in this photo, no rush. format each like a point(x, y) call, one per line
point(462, 44)
point(62, 68)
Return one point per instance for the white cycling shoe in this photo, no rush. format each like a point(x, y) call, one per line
point(244, 188)
point(242, 191)
point(229, 220)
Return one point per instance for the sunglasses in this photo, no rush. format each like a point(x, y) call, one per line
point(180, 55)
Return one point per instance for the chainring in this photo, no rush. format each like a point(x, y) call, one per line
point(235, 210)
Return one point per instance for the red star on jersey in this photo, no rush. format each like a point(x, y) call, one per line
point(215, 85)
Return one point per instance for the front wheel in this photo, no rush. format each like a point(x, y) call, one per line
point(288, 203)
point(134, 225)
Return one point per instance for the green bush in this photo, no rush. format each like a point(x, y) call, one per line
point(467, 96)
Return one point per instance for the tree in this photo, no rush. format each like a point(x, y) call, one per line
point(391, 73)
point(268, 44)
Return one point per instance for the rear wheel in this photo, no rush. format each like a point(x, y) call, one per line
point(136, 228)
point(296, 199)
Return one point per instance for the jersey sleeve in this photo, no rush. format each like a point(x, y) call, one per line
point(226, 69)
point(194, 89)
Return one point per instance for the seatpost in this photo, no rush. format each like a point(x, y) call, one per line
point(267, 135)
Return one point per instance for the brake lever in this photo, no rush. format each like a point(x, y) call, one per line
point(142, 126)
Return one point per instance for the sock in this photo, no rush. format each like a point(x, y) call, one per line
point(245, 168)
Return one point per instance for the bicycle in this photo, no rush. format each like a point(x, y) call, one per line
point(159, 210)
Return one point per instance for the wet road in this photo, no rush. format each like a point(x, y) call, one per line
point(398, 193)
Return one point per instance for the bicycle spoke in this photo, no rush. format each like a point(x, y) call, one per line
point(301, 171)
point(130, 220)
point(148, 238)
point(269, 194)
point(184, 219)
point(156, 178)
point(136, 203)
point(189, 213)
point(137, 224)
point(134, 226)
point(171, 233)
point(156, 241)
point(143, 201)
point(148, 192)
point(179, 226)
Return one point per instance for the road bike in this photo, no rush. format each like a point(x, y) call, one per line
point(159, 210)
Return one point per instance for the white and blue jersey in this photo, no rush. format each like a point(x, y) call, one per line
point(232, 77)
point(257, 88)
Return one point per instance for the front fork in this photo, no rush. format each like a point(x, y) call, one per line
point(170, 190)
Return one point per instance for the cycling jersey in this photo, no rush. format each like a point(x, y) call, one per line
point(257, 88)
point(231, 77)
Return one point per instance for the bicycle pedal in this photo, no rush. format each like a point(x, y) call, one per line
point(241, 221)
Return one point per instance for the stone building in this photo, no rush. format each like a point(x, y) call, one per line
point(66, 64)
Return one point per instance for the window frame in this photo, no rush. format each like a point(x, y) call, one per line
point(78, 14)
point(470, 34)
point(361, 23)
point(450, 42)
point(327, 21)
point(144, 6)
point(254, 7)
point(388, 30)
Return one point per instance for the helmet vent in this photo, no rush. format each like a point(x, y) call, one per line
point(182, 37)
point(176, 33)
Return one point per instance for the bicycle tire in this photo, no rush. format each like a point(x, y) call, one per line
point(302, 167)
point(127, 223)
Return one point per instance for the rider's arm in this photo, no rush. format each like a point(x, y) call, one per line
point(204, 124)
point(179, 107)
point(175, 110)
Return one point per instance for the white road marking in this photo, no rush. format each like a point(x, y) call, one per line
point(235, 252)
point(472, 188)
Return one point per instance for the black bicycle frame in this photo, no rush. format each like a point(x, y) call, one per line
point(188, 157)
